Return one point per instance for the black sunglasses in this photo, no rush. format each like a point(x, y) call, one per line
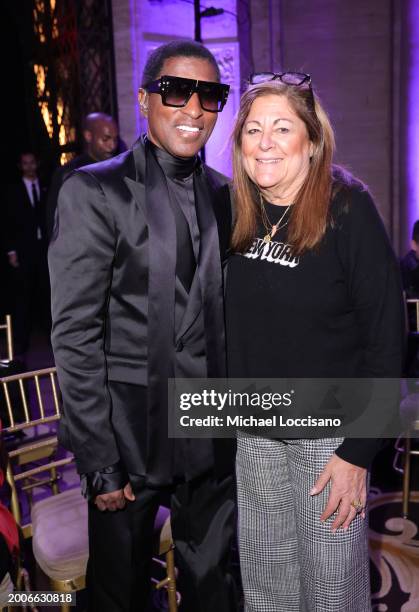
point(289, 78)
point(177, 91)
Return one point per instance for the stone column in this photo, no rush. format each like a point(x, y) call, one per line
point(124, 15)
point(265, 26)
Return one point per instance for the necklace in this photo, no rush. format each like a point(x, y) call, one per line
point(271, 229)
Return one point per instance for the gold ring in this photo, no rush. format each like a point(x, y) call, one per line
point(357, 504)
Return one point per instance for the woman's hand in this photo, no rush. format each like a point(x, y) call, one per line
point(348, 485)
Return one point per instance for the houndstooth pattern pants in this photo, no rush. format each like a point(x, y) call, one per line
point(290, 561)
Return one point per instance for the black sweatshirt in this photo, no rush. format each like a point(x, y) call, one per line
point(336, 311)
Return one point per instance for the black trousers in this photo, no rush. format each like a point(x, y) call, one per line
point(203, 527)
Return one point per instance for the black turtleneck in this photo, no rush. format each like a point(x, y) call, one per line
point(175, 167)
point(179, 175)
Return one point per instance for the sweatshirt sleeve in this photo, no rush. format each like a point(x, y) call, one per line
point(375, 293)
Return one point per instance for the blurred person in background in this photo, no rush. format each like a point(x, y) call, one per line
point(25, 241)
point(100, 135)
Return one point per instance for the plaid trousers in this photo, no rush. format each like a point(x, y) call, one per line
point(290, 561)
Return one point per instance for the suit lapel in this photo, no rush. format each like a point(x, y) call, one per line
point(161, 309)
point(210, 274)
point(134, 178)
point(193, 305)
point(138, 193)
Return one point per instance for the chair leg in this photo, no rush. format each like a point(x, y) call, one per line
point(54, 485)
point(406, 477)
point(171, 585)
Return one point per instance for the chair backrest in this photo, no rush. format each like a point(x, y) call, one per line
point(31, 399)
point(21, 480)
point(7, 327)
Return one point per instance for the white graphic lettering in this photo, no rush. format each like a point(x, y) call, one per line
point(273, 252)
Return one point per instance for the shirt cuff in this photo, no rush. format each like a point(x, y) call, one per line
point(106, 480)
point(359, 451)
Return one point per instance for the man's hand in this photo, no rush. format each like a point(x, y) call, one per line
point(348, 485)
point(13, 260)
point(115, 500)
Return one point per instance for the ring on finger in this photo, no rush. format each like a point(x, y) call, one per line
point(357, 505)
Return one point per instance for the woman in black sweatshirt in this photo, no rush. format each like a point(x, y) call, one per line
point(312, 291)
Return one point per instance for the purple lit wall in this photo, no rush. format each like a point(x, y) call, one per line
point(410, 115)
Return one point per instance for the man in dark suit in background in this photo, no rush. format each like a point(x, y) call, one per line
point(26, 247)
point(100, 134)
point(137, 297)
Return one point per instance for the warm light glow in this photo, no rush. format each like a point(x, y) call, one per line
point(55, 32)
point(46, 115)
point(65, 158)
point(60, 110)
point(37, 24)
point(62, 136)
point(52, 5)
point(40, 73)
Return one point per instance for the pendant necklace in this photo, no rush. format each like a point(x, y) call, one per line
point(271, 229)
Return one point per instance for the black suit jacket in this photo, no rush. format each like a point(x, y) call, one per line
point(21, 233)
point(58, 179)
point(99, 277)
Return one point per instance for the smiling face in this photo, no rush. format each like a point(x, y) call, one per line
point(180, 131)
point(276, 148)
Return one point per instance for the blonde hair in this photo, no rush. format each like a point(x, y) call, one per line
point(309, 216)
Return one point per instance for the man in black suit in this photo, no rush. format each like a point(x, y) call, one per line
point(26, 246)
point(100, 134)
point(137, 297)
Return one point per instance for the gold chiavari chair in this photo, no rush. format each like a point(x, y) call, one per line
point(58, 523)
point(7, 326)
point(165, 548)
point(32, 407)
point(57, 526)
